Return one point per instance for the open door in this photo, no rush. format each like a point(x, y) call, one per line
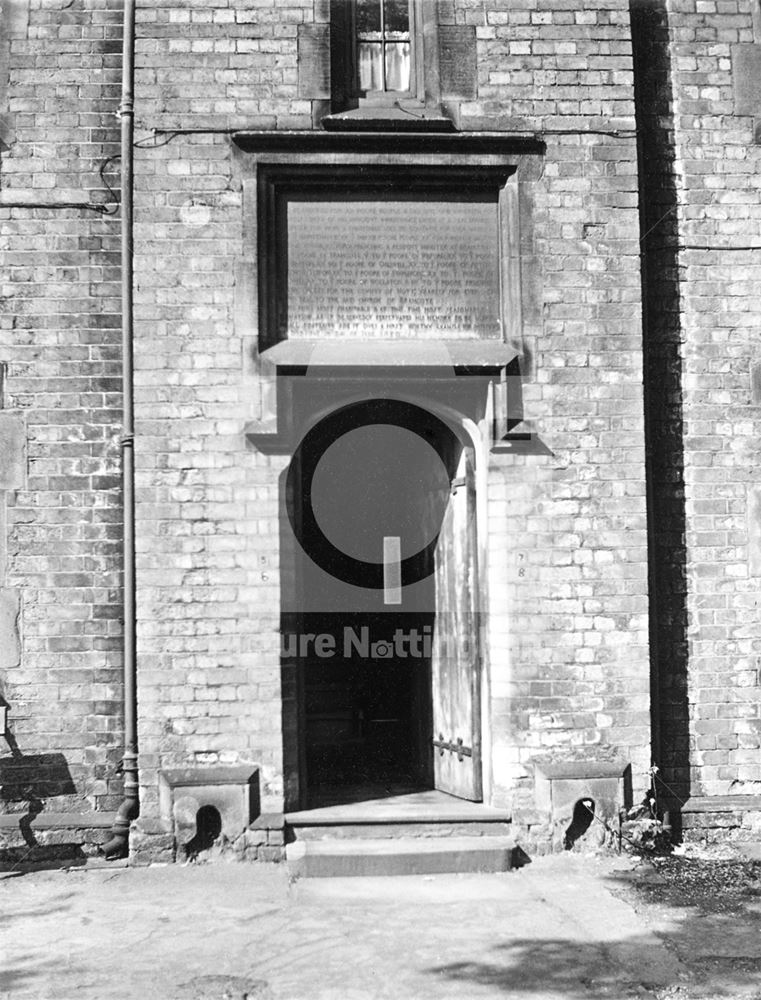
point(455, 666)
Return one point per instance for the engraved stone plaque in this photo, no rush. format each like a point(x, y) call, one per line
point(395, 267)
point(314, 61)
point(746, 78)
point(457, 61)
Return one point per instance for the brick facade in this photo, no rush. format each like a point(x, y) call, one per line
point(589, 607)
point(60, 550)
point(719, 211)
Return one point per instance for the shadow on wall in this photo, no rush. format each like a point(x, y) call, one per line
point(208, 830)
point(33, 778)
point(581, 820)
point(664, 426)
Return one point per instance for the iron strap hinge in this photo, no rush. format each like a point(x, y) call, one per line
point(452, 746)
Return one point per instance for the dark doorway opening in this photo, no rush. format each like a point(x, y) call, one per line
point(362, 640)
point(367, 712)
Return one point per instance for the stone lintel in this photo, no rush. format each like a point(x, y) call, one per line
point(580, 769)
point(560, 785)
point(236, 774)
point(385, 143)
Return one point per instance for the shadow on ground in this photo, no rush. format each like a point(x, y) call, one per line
point(24, 967)
point(706, 913)
point(561, 966)
point(565, 928)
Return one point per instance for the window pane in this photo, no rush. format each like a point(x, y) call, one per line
point(398, 66)
point(370, 71)
point(368, 15)
point(397, 15)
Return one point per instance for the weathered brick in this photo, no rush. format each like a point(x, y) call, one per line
point(568, 557)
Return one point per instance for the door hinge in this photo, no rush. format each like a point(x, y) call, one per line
point(453, 746)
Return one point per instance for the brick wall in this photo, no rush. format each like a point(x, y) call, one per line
point(568, 585)
point(567, 531)
point(207, 506)
point(568, 543)
point(60, 353)
point(569, 539)
point(567, 568)
point(717, 163)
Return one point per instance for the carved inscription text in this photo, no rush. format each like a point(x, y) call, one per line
point(397, 267)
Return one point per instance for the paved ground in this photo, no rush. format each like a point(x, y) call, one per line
point(563, 928)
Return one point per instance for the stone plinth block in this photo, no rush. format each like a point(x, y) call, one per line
point(560, 786)
point(232, 791)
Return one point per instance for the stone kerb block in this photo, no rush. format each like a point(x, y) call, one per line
point(232, 791)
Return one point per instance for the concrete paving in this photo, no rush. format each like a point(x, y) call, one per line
point(558, 929)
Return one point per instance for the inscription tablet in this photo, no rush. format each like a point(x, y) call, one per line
point(457, 61)
point(393, 267)
point(314, 61)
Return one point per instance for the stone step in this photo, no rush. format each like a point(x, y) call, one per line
point(403, 856)
point(423, 814)
point(394, 829)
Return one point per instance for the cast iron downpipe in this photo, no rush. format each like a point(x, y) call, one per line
point(118, 846)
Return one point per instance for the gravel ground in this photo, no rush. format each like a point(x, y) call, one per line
point(706, 909)
point(710, 885)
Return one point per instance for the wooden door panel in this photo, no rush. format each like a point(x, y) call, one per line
point(456, 662)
